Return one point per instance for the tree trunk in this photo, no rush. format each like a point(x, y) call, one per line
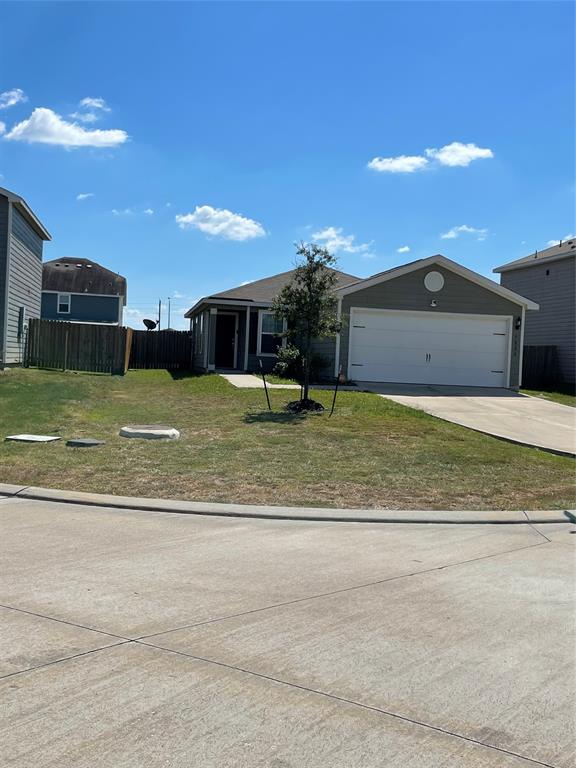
point(306, 369)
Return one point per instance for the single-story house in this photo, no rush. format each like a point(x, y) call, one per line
point(548, 277)
point(22, 238)
point(82, 291)
point(432, 321)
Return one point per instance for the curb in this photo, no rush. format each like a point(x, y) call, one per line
point(313, 514)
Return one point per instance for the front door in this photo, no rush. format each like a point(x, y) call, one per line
point(225, 356)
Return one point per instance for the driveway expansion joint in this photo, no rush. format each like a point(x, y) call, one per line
point(340, 591)
point(351, 702)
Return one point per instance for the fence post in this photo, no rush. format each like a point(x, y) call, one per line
point(127, 348)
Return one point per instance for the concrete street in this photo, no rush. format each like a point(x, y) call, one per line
point(148, 639)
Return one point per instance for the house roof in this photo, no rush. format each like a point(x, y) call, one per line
point(562, 250)
point(69, 275)
point(448, 264)
point(27, 212)
point(263, 291)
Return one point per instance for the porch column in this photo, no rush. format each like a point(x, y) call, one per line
point(212, 339)
point(247, 338)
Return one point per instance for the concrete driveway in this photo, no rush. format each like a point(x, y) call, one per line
point(152, 639)
point(522, 419)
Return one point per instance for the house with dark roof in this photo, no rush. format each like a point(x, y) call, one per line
point(549, 278)
point(22, 238)
point(82, 291)
point(432, 321)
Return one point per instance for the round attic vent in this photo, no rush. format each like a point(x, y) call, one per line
point(434, 281)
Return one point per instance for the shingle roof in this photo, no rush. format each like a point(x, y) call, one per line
point(70, 275)
point(560, 251)
point(265, 290)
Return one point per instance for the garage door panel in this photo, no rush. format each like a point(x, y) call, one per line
point(435, 349)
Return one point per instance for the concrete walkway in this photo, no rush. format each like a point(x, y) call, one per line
point(509, 415)
point(142, 639)
point(248, 381)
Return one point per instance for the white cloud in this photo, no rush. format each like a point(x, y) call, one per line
point(452, 234)
point(90, 110)
point(458, 154)
point(455, 154)
point(11, 98)
point(400, 164)
point(91, 103)
point(550, 243)
point(2, 127)
point(148, 211)
point(84, 195)
point(122, 212)
point(335, 241)
point(44, 126)
point(220, 222)
point(403, 249)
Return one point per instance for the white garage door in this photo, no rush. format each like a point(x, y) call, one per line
point(428, 348)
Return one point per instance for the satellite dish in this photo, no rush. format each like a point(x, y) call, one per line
point(150, 324)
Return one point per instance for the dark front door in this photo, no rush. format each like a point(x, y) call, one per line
point(225, 341)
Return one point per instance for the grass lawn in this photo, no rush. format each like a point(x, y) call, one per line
point(371, 453)
point(564, 398)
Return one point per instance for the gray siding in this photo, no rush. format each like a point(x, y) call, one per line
point(24, 282)
point(84, 308)
point(555, 323)
point(4, 208)
point(408, 293)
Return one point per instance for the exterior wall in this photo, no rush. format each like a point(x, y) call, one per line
point(84, 308)
point(24, 282)
point(552, 286)
point(458, 295)
point(4, 208)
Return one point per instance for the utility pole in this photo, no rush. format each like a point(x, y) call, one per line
point(159, 312)
point(168, 326)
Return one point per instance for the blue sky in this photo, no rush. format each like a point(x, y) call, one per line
point(209, 137)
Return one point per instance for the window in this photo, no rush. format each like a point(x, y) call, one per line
point(64, 303)
point(269, 330)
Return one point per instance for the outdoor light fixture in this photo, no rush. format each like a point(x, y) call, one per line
point(518, 323)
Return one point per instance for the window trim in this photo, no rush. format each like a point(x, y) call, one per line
point(59, 301)
point(259, 353)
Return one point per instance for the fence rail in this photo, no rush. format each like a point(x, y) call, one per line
point(76, 346)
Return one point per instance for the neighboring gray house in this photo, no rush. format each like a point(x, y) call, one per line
point(82, 291)
point(22, 238)
point(549, 277)
point(432, 321)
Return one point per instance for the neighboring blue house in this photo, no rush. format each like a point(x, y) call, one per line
point(22, 238)
point(82, 291)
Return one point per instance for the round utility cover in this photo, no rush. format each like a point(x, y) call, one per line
point(150, 432)
point(434, 281)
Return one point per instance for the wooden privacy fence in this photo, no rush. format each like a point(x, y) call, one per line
point(540, 366)
point(77, 346)
point(162, 349)
point(104, 348)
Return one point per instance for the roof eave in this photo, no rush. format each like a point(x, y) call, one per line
point(511, 266)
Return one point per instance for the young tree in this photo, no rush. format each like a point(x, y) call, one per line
point(309, 304)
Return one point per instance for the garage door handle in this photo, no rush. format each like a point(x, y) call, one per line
point(357, 365)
